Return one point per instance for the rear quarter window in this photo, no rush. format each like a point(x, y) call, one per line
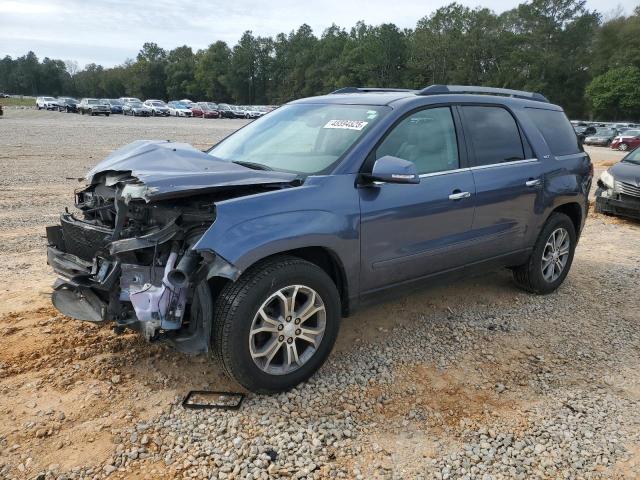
point(556, 130)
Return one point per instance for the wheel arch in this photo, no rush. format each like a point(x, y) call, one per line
point(322, 257)
point(573, 210)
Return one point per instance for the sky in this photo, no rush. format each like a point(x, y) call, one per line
point(108, 32)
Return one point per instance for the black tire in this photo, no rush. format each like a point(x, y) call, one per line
point(529, 276)
point(106, 114)
point(237, 305)
point(82, 111)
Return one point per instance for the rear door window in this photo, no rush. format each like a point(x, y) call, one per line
point(493, 134)
point(556, 130)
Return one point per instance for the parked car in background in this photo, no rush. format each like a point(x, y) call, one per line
point(602, 137)
point(46, 103)
point(626, 141)
point(4, 95)
point(136, 109)
point(93, 106)
point(129, 99)
point(179, 109)
point(214, 106)
point(225, 111)
point(252, 112)
point(205, 110)
point(158, 108)
point(114, 104)
point(582, 131)
point(257, 247)
point(238, 111)
point(618, 191)
point(68, 104)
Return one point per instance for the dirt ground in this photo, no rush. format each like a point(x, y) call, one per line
point(67, 388)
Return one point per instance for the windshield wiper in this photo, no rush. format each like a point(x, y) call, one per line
point(252, 165)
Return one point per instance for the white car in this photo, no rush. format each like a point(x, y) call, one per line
point(158, 108)
point(179, 109)
point(48, 103)
point(252, 112)
point(129, 99)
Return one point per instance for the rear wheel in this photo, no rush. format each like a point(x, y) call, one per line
point(551, 258)
point(623, 147)
point(276, 325)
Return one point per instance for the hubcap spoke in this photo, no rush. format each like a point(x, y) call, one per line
point(311, 335)
point(292, 354)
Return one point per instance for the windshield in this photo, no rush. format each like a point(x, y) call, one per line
point(605, 132)
point(179, 105)
point(633, 157)
point(212, 106)
point(306, 138)
point(157, 104)
point(93, 101)
point(135, 104)
point(631, 133)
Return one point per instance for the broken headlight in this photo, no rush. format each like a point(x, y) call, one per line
point(606, 180)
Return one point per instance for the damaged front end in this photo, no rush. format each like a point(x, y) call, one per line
point(128, 256)
point(130, 261)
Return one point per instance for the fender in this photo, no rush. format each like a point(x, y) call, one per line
point(248, 229)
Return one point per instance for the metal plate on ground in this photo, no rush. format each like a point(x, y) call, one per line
point(204, 399)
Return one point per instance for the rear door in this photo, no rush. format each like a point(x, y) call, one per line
point(507, 176)
point(411, 231)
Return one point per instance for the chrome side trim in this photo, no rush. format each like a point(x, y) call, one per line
point(515, 162)
point(444, 172)
point(478, 167)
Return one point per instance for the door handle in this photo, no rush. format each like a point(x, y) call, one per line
point(533, 182)
point(459, 195)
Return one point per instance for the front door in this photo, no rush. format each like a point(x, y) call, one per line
point(411, 231)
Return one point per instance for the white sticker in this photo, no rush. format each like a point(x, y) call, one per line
point(346, 124)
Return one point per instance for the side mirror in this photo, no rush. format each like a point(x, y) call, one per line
point(391, 169)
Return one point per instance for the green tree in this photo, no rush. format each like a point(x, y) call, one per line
point(617, 43)
point(615, 95)
point(148, 78)
point(180, 72)
point(212, 72)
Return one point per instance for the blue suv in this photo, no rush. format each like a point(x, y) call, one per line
point(256, 248)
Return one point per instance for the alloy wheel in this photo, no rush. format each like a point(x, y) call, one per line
point(555, 254)
point(287, 329)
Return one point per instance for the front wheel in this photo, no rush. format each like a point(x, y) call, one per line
point(276, 325)
point(623, 147)
point(551, 258)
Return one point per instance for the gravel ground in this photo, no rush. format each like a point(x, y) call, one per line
point(471, 380)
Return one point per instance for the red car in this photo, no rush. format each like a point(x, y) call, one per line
point(202, 109)
point(626, 141)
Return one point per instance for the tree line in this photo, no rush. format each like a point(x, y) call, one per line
point(589, 65)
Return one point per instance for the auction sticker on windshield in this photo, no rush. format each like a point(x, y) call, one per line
point(346, 124)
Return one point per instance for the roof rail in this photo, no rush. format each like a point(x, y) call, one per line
point(444, 89)
point(370, 89)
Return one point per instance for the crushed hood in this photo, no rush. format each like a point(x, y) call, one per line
point(166, 169)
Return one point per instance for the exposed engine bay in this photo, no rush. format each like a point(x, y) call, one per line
point(127, 254)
